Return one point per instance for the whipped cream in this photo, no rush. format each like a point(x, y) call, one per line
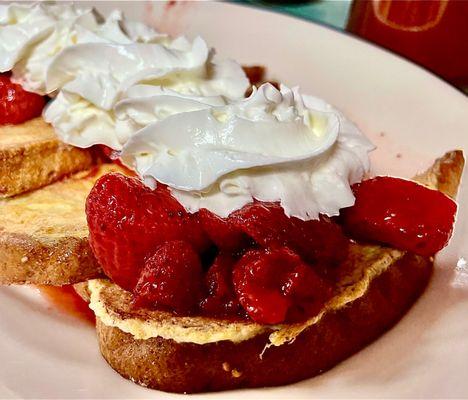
point(33, 35)
point(90, 63)
point(275, 146)
point(178, 115)
point(97, 84)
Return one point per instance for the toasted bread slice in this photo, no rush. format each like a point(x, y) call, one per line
point(181, 354)
point(43, 233)
point(167, 365)
point(31, 156)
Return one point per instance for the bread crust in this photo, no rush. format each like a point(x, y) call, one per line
point(44, 234)
point(31, 156)
point(29, 260)
point(445, 174)
point(189, 368)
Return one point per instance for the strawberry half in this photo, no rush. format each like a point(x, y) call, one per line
point(128, 221)
point(171, 279)
point(316, 241)
point(402, 214)
point(276, 285)
point(16, 104)
point(221, 299)
point(222, 231)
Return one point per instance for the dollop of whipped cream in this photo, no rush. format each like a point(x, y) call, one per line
point(274, 146)
point(176, 113)
point(33, 35)
point(91, 65)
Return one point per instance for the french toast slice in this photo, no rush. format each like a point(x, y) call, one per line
point(31, 156)
point(43, 233)
point(376, 287)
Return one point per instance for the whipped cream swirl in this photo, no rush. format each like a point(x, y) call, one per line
point(275, 146)
point(90, 63)
point(95, 78)
point(177, 114)
point(32, 35)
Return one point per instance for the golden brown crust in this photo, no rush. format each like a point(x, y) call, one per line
point(186, 367)
point(28, 260)
point(43, 233)
point(445, 174)
point(31, 156)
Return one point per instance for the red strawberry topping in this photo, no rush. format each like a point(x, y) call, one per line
point(147, 243)
point(307, 290)
point(273, 285)
point(171, 279)
point(128, 222)
point(221, 299)
point(402, 214)
point(16, 104)
point(315, 241)
point(222, 231)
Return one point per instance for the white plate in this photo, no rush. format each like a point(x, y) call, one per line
point(48, 355)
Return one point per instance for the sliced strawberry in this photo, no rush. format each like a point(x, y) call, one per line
point(222, 231)
point(171, 279)
point(128, 222)
point(263, 305)
point(316, 241)
point(275, 285)
point(221, 299)
point(307, 291)
point(402, 214)
point(16, 104)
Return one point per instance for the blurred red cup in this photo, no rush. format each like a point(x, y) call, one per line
point(433, 33)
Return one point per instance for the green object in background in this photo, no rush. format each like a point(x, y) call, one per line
point(329, 12)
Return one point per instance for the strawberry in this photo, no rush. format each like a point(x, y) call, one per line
point(402, 214)
point(222, 231)
point(316, 241)
point(16, 104)
point(276, 285)
point(307, 291)
point(128, 221)
point(221, 299)
point(171, 279)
